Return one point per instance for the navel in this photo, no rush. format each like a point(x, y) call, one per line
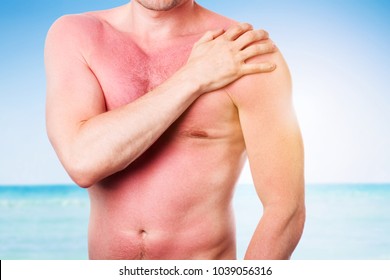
point(143, 233)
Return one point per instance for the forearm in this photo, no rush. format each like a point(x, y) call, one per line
point(277, 234)
point(109, 142)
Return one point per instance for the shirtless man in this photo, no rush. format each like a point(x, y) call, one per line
point(155, 116)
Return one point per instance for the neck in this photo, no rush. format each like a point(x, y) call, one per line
point(153, 25)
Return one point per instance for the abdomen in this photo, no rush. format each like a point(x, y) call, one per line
point(173, 203)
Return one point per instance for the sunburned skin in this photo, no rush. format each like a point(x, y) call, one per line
point(159, 207)
point(155, 111)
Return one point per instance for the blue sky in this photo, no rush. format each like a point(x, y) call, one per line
point(337, 52)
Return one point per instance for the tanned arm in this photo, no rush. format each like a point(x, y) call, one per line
point(275, 152)
point(93, 143)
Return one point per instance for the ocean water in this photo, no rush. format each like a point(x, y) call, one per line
point(43, 222)
point(343, 222)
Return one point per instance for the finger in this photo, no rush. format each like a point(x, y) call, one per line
point(257, 49)
point(233, 32)
point(256, 68)
point(210, 35)
point(250, 37)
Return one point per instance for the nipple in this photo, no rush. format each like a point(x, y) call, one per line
point(198, 134)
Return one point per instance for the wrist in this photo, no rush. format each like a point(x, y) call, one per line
point(187, 79)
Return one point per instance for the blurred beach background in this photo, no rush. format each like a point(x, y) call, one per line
point(338, 53)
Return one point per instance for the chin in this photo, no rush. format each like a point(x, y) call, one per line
point(160, 5)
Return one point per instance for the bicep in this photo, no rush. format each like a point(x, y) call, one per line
point(275, 152)
point(73, 92)
point(272, 135)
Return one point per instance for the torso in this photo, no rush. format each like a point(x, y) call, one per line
point(174, 202)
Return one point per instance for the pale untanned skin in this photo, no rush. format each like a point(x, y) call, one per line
point(156, 117)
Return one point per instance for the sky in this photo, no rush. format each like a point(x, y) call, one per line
point(337, 52)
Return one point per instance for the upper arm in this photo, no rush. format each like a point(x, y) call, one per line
point(73, 92)
point(271, 133)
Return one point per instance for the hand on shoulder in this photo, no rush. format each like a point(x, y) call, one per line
point(264, 88)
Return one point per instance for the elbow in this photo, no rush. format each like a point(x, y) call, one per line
point(296, 226)
point(289, 218)
point(82, 174)
point(293, 212)
point(295, 222)
point(299, 218)
point(82, 181)
point(82, 178)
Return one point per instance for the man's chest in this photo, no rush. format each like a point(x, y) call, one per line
point(126, 72)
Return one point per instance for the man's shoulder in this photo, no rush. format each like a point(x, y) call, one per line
point(76, 24)
point(74, 31)
point(252, 89)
